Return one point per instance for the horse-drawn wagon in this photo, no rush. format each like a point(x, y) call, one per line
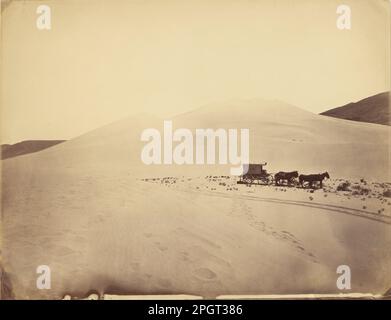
point(256, 174)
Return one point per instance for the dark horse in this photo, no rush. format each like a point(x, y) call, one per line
point(288, 176)
point(311, 178)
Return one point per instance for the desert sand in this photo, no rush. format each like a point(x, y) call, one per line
point(105, 222)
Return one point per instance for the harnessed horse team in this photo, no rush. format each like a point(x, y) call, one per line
point(290, 177)
point(256, 173)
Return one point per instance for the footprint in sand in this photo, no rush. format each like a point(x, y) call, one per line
point(205, 273)
point(288, 233)
point(161, 247)
point(184, 255)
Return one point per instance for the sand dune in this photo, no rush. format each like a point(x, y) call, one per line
point(287, 137)
point(81, 208)
point(290, 138)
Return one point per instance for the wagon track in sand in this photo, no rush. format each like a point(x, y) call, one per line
point(378, 217)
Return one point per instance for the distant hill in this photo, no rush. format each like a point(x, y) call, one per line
point(25, 147)
point(375, 109)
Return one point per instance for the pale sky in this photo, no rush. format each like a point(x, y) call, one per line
point(104, 60)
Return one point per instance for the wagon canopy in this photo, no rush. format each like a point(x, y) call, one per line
point(255, 169)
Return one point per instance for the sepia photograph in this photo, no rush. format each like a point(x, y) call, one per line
point(195, 150)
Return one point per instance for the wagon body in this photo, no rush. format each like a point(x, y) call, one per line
point(256, 175)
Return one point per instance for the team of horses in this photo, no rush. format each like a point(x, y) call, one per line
point(290, 178)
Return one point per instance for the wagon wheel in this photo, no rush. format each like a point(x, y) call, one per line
point(263, 179)
point(248, 179)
